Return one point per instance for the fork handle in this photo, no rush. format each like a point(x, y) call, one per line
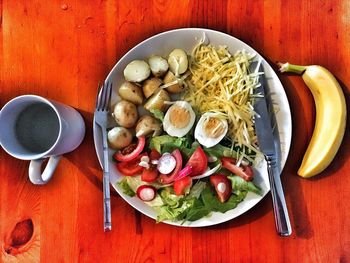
point(107, 221)
point(282, 221)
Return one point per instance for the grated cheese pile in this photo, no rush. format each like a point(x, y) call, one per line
point(221, 82)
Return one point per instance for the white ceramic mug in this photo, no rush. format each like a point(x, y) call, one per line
point(34, 128)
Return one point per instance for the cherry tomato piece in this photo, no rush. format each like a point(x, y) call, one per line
point(182, 186)
point(198, 161)
point(130, 152)
point(154, 155)
point(223, 186)
point(131, 168)
point(244, 171)
point(149, 175)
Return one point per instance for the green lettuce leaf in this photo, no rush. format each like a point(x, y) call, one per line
point(239, 184)
point(196, 211)
point(220, 151)
point(181, 207)
point(167, 143)
point(170, 198)
point(211, 202)
point(167, 212)
point(157, 114)
point(123, 184)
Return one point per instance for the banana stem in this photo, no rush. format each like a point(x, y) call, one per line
point(286, 67)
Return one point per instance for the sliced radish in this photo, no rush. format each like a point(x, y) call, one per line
point(146, 192)
point(167, 179)
point(166, 164)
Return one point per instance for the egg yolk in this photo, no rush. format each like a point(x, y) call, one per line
point(179, 116)
point(213, 127)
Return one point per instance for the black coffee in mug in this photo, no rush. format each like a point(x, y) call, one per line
point(37, 127)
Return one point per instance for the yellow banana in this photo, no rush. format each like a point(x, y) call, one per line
point(330, 117)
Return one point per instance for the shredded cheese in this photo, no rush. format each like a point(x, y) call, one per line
point(221, 82)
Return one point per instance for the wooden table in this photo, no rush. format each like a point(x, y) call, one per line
point(62, 49)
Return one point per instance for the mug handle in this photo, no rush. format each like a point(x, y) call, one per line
point(35, 174)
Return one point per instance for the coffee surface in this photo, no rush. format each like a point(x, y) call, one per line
point(37, 127)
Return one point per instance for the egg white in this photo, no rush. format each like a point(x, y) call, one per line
point(170, 128)
point(200, 135)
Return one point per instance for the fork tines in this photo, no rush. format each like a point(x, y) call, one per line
point(104, 97)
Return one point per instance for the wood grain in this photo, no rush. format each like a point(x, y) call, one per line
point(62, 49)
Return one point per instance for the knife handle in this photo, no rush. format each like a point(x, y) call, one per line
point(107, 221)
point(282, 221)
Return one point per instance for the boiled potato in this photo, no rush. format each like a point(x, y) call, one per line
point(125, 114)
point(157, 101)
point(178, 61)
point(169, 78)
point(137, 71)
point(131, 92)
point(147, 125)
point(150, 86)
point(159, 66)
point(119, 137)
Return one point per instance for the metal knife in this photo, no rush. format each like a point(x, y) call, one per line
point(267, 145)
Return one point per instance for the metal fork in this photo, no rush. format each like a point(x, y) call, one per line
point(101, 116)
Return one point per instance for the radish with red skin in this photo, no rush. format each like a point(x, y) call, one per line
point(146, 193)
point(166, 163)
point(167, 179)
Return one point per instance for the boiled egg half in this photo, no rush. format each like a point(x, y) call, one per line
point(211, 129)
point(179, 119)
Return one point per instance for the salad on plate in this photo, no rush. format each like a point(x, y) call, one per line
point(185, 142)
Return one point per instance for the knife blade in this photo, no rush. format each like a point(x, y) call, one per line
point(267, 146)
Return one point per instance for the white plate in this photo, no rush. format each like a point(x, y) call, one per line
point(186, 38)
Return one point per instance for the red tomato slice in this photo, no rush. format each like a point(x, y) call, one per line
point(149, 175)
point(154, 155)
point(198, 161)
point(130, 152)
point(181, 186)
point(167, 179)
point(224, 190)
point(131, 168)
point(244, 171)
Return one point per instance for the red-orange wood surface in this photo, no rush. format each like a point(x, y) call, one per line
point(62, 49)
